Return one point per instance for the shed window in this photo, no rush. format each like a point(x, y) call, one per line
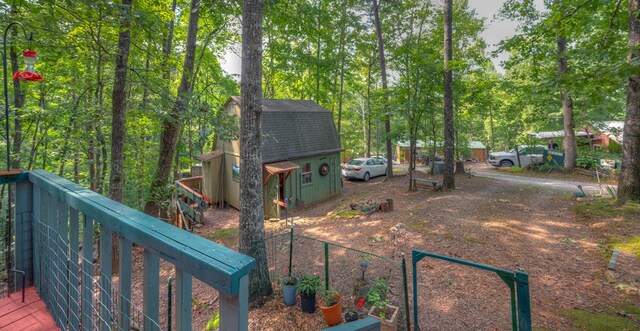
point(306, 173)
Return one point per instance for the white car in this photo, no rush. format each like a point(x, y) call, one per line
point(529, 155)
point(381, 158)
point(364, 168)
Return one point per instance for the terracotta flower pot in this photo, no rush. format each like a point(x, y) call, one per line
point(389, 324)
point(333, 314)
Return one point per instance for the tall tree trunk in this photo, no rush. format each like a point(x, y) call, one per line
point(251, 193)
point(369, 65)
point(119, 106)
point(629, 180)
point(448, 180)
point(171, 124)
point(385, 97)
point(119, 100)
point(342, 60)
point(569, 141)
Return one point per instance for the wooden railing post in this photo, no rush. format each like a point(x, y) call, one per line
point(124, 304)
point(24, 232)
point(87, 272)
point(62, 240)
point(234, 310)
point(105, 278)
point(151, 290)
point(74, 279)
point(183, 300)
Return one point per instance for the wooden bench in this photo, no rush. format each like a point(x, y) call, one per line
point(425, 182)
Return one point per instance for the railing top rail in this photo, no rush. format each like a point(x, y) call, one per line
point(216, 265)
point(418, 255)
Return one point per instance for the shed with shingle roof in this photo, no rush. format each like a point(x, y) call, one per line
point(300, 152)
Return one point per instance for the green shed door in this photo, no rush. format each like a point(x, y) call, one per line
point(270, 194)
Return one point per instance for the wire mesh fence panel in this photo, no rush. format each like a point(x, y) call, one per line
point(4, 280)
point(79, 296)
point(457, 297)
point(351, 272)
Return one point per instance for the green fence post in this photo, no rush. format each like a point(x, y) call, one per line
point(326, 266)
point(291, 250)
point(406, 292)
point(524, 304)
point(415, 258)
point(169, 304)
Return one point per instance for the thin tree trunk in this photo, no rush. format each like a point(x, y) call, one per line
point(493, 141)
point(629, 181)
point(385, 98)
point(119, 107)
point(448, 180)
point(76, 168)
point(369, 107)
point(251, 194)
point(171, 124)
point(342, 60)
point(119, 102)
point(68, 133)
point(100, 166)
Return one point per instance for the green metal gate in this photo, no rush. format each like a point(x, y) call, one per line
point(518, 282)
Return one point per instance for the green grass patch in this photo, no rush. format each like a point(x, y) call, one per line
point(473, 240)
point(227, 237)
point(629, 244)
point(591, 321)
point(345, 213)
point(416, 224)
point(602, 209)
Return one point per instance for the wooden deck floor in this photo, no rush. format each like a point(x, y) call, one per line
point(30, 315)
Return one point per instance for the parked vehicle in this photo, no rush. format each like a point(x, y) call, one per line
point(364, 168)
point(529, 155)
point(379, 157)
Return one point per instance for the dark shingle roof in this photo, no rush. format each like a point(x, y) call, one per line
point(293, 129)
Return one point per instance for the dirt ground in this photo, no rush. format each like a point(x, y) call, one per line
point(486, 221)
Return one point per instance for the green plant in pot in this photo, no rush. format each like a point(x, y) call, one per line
point(289, 286)
point(380, 307)
point(307, 288)
point(354, 314)
point(331, 306)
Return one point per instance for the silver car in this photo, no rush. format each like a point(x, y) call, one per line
point(529, 155)
point(364, 168)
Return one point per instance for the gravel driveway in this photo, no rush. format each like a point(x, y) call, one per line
point(554, 184)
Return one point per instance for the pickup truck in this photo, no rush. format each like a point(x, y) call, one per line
point(529, 155)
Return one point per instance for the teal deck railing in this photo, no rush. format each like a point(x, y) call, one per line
point(56, 225)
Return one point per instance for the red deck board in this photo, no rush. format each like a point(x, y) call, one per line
point(30, 315)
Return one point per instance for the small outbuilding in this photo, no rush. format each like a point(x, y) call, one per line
point(475, 150)
point(300, 154)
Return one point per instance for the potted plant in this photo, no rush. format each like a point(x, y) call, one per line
point(307, 288)
point(331, 306)
point(353, 315)
point(350, 316)
point(380, 307)
point(289, 286)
